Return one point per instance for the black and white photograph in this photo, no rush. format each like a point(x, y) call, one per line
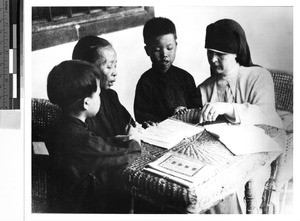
point(157, 110)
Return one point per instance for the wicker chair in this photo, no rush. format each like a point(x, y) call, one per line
point(44, 115)
point(281, 168)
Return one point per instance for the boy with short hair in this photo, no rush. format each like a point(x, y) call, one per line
point(163, 90)
point(85, 164)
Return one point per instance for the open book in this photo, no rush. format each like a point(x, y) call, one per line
point(180, 168)
point(168, 133)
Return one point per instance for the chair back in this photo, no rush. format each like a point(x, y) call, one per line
point(283, 86)
point(44, 116)
point(44, 193)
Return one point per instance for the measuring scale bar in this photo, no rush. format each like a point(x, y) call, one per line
point(9, 54)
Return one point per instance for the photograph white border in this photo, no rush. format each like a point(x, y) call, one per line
point(19, 208)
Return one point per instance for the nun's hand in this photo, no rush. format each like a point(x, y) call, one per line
point(211, 111)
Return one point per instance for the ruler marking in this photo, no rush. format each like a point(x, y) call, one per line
point(1, 55)
point(10, 91)
point(11, 61)
point(6, 42)
point(15, 67)
point(14, 86)
point(15, 35)
point(9, 54)
point(16, 76)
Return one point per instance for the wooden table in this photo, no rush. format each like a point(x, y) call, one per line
point(229, 173)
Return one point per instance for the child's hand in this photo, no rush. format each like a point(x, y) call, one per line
point(132, 132)
point(180, 110)
point(148, 123)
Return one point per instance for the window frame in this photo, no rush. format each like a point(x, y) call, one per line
point(59, 31)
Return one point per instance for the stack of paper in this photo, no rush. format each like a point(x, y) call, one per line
point(241, 139)
point(168, 133)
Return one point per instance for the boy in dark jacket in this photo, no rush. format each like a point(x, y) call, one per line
point(163, 90)
point(88, 169)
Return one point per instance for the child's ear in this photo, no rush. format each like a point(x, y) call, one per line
point(86, 103)
point(147, 50)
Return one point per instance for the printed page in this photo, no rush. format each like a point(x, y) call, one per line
point(168, 133)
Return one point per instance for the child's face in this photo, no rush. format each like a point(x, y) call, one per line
point(162, 52)
point(94, 102)
point(107, 64)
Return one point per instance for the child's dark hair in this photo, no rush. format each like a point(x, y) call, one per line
point(156, 27)
point(88, 47)
point(71, 82)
